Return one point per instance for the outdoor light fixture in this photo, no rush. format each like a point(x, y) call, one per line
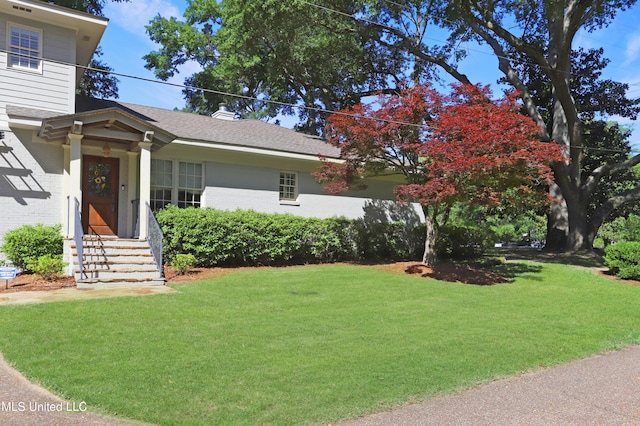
point(106, 149)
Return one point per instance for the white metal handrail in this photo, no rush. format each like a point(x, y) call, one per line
point(78, 233)
point(155, 237)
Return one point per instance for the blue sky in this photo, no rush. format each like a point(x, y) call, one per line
point(125, 42)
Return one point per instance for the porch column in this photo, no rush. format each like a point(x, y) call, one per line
point(145, 183)
point(132, 194)
point(75, 172)
point(67, 225)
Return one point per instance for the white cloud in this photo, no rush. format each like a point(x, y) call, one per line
point(133, 16)
point(584, 40)
point(633, 48)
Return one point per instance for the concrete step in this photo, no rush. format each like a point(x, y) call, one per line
point(121, 274)
point(113, 262)
point(109, 283)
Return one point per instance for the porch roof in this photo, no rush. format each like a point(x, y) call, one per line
point(112, 125)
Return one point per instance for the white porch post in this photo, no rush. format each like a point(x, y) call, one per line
point(75, 171)
point(132, 192)
point(67, 225)
point(145, 183)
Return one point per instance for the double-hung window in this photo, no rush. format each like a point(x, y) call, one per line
point(176, 182)
point(189, 184)
point(25, 48)
point(288, 187)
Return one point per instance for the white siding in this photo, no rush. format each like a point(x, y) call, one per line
point(31, 182)
point(53, 89)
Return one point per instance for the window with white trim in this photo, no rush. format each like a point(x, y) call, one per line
point(288, 186)
point(185, 191)
point(25, 47)
point(189, 184)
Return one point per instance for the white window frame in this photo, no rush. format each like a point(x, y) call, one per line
point(187, 188)
point(163, 186)
point(29, 51)
point(175, 186)
point(288, 201)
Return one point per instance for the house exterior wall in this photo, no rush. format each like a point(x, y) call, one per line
point(236, 180)
point(31, 182)
point(53, 89)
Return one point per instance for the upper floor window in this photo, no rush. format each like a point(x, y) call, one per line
point(288, 186)
point(25, 47)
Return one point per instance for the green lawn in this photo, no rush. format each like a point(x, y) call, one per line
point(312, 344)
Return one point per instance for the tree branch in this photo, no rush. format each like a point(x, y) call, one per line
point(608, 169)
point(601, 214)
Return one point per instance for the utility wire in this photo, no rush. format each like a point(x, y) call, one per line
point(252, 98)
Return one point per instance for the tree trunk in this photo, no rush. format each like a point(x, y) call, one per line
point(429, 256)
point(568, 227)
point(557, 222)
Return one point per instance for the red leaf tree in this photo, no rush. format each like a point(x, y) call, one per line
point(461, 147)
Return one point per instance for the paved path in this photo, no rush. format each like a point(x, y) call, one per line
point(601, 390)
point(72, 293)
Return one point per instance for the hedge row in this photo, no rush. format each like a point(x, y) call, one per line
point(245, 237)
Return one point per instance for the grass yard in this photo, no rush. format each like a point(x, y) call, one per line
point(312, 344)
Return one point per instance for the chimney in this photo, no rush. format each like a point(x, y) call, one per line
point(223, 113)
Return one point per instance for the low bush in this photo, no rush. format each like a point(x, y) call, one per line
point(48, 266)
point(31, 241)
point(462, 241)
point(623, 259)
point(245, 237)
point(183, 262)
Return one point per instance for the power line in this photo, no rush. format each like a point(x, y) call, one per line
point(252, 98)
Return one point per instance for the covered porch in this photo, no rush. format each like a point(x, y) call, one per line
point(106, 177)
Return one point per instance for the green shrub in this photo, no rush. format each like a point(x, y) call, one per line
point(32, 241)
point(49, 266)
point(623, 259)
point(245, 237)
point(183, 262)
point(462, 241)
point(618, 230)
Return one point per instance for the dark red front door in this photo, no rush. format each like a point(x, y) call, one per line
point(100, 195)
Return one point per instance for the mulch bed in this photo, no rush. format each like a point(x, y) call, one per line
point(33, 282)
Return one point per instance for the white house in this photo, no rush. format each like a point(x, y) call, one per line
point(95, 165)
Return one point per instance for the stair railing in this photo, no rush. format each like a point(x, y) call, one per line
point(78, 233)
point(154, 237)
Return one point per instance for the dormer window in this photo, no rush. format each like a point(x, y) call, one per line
point(25, 48)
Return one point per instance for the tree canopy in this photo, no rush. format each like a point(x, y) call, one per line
point(330, 54)
point(96, 81)
point(460, 147)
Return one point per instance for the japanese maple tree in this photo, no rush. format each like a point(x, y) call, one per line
point(460, 147)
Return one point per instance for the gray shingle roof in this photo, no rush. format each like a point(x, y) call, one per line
point(192, 127)
point(250, 133)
